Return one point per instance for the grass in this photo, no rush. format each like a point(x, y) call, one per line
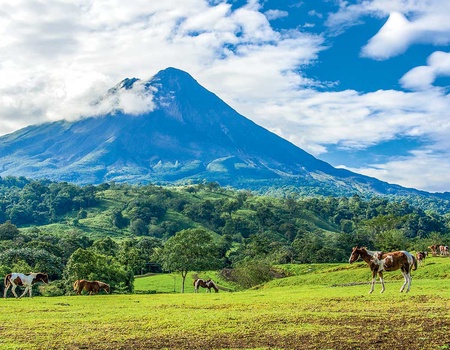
point(311, 310)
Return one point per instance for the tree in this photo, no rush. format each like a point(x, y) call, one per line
point(189, 250)
point(87, 264)
point(8, 231)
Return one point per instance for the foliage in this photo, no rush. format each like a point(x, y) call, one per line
point(189, 250)
point(87, 264)
point(32, 260)
point(126, 224)
point(251, 273)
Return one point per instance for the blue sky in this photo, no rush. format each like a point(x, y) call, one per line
point(361, 84)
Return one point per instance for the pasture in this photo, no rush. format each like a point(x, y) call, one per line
point(322, 306)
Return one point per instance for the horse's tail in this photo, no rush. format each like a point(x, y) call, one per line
point(7, 280)
point(414, 267)
point(195, 281)
point(75, 285)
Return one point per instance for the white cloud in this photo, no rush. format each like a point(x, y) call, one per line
point(409, 22)
point(275, 14)
point(422, 169)
point(423, 77)
point(393, 38)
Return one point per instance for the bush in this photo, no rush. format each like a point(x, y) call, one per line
point(249, 274)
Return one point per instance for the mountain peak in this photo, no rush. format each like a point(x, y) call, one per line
point(189, 135)
point(174, 79)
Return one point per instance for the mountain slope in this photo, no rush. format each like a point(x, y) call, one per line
point(190, 134)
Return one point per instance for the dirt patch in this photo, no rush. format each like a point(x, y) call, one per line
point(345, 334)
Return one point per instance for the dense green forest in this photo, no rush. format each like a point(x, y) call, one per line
point(115, 231)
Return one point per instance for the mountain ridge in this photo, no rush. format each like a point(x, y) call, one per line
point(189, 135)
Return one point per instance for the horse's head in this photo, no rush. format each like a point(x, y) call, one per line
point(42, 277)
point(356, 254)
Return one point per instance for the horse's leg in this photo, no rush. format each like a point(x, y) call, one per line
point(405, 276)
point(26, 290)
point(409, 277)
point(6, 290)
point(380, 274)
point(374, 275)
point(13, 289)
point(409, 281)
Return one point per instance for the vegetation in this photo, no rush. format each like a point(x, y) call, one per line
point(113, 232)
point(188, 250)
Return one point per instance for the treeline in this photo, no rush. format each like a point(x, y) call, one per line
point(245, 228)
point(26, 202)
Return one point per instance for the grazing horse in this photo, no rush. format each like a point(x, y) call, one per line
point(420, 256)
point(434, 249)
point(443, 249)
point(379, 262)
point(92, 287)
point(24, 280)
point(205, 284)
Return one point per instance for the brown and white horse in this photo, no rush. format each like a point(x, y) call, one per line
point(443, 250)
point(420, 256)
point(205, 284)
point(379, 262)
point(23, 280)
point(92, 287)
point(434, 249)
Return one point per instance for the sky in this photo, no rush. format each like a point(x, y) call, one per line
point(360, 84)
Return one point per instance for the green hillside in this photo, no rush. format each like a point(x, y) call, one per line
point(113, 232)
point(301, 275)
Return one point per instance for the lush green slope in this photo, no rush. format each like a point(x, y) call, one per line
point(300, 275)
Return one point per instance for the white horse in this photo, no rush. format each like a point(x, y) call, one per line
point(24, 280)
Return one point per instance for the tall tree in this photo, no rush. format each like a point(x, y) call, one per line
point(189, 250)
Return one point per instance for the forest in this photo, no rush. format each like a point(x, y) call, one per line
point(116, 231)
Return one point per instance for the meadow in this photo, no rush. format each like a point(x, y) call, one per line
point(321, 306)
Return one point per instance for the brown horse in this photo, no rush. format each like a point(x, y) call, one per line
point(205, 284)
point(379, 262)
point(92, 287)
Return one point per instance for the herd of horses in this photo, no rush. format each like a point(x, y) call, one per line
point(377, 261)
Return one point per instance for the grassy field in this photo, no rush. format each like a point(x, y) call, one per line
point(324, 306)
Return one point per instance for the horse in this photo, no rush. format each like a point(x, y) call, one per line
point(91, 287)
point(434, 249)
point(205, 284)
point(24, 280)
point(379, 262)
point(420, 256)
point(443, 249)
